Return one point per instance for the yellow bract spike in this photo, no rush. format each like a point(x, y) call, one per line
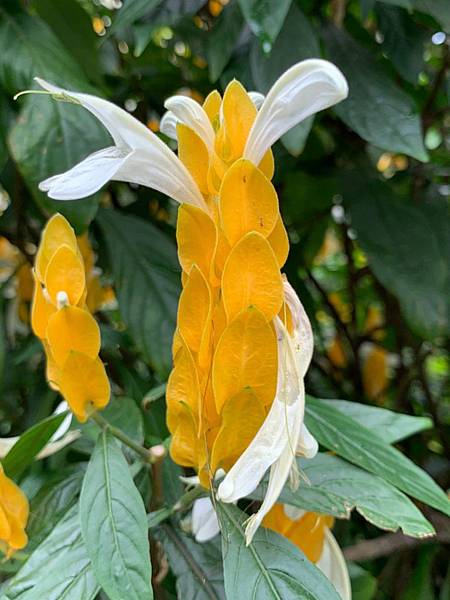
point(211, 106)
point(184, 447)
point(239, 113)
point(14, 511)
point(248, 202)
point(65, 273)
point(41, 310)
point(86, 252)
point(84, 383)
point(267, 164)
point(183, 387)
point(52, 371)
point(196, 238)
point(251, 277)
point(242, 416)
point(56, 233)
point(246, 357)
point(279, 242)
point(194, 309)
point(72, 329)
point(194, 155)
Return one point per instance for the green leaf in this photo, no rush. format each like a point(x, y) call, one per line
point(30, 444)
point(52, 502)
point(71, 23)
point(378, 110)
point(403, 41)
point(124, 413)
point(439, 9)
point(307, 197)
point(388, 425)
point(420, 280)
point(197, 567)
point(337, 487)
point(146, 274)
point(63, 134)
point(131, 11)
point(265, 18)
point(114, 524)
point(296, 42)
point(364, 584)
point(223, 39)
point(360, 446)
point(58, 569)
point(270, 567)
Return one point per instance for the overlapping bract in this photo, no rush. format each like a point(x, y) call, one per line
point(61, 318)
point(14, 511)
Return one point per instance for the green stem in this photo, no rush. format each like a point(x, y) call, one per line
point(147, 455)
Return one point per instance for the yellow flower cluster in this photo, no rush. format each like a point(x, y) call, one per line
point(14, 512)
point(61, 319)
point(225, 347)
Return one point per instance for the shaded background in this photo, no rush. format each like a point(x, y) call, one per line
point(364, 193)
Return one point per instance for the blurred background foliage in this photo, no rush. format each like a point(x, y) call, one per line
point(364, 192)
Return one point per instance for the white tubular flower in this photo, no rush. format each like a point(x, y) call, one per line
point(303, 90)
point(333, 566)
point(205, 524)
point(257, 98)
point(168, 125)
point(191, 113)
point(138, 156)
point(281, 435)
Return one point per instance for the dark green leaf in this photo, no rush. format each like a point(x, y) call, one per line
point(439, 9)
point(265, 18)
point(223, 38)
point(114, 524)
point(378, 110)
point(388, 425)
point(131, 11)
point(197, 567)
point(306, 197)
point(270, 567)
point(360, 446)
point(124, 413)
point(296, 42)
point(419, 279)
point(146, 274)
point(364, 584)
point(337, 487)
point(30, 444)
point(58, 569)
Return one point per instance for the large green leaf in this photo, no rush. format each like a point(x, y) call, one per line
point(364, 584)
point(146, 274)
point(114, 524)
point(378, 110)
point(223, 38)
point(296, 42)
point(62, 134)
point(439, 9)
point(265, 18)
point(337, 487)
point(270, 567)
point(30, 444)
point(132, 11)
point(411, 261)
point(359, 445)
point(197, 567)
point(58, 569)
point(388, 425)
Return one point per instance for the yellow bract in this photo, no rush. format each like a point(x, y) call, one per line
point(197, 238)
point(194, 154)
point(14, 511)
point(84, 384)
point(251, 277)
point(194, 309)
point(246, 357)
point(61, 319)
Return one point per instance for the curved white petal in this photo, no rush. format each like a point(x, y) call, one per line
point(257, 98)
point(304, 89)
point(87, 177)
point(303, 334)
point(333, 566)
point(54, 447)
point(205, 524)
point(145, 158)
point(307, 444)
point(65, 425)
point(191, 113)
point(168, 125)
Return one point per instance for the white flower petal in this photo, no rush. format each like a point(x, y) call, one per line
point(303, 334)
point(168, 125)
point(191, 113)
point(6, 444)
point(293, 512)
point(64, 427)
point(205, 524)
point(304, 89)
point(333, 566)
point(307, 444)
point(54, 447)
point(87, 177)
point(278, 431)
point(146, 159)
point(257, 98)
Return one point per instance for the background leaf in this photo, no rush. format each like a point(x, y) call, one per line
point(265, 18)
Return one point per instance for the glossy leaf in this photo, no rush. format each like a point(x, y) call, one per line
point(223, 39)
point(114, 524)
point(265, 18)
